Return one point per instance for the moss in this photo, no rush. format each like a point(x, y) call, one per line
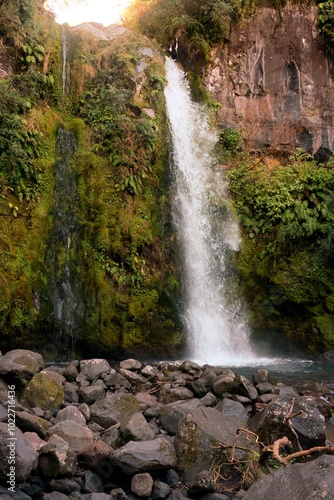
point(42, 391)
point(326, 326)
point(124, 259)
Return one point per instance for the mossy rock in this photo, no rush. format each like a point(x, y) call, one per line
point(326, 324)
point(43, 392)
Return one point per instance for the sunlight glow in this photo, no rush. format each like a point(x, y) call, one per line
point(75, 12)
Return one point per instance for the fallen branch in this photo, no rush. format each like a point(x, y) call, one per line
point(274, 449)
point(288, 421)
point(238, 434)
point(303, 453)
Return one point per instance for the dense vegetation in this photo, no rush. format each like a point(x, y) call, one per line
point(201, 24)
point(326, 21)
point(286, 211)
point(120, 256)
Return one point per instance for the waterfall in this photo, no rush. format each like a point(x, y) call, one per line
point(64, 287)
point(208, 235)
point(64, 55)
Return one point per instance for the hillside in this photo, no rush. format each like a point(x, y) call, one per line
point(89, 260)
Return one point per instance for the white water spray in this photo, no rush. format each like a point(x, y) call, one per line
point(208, 235)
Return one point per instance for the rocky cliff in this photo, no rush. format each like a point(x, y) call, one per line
point(274, 81)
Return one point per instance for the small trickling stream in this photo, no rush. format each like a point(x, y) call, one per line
point(64, 56)
point(64, 283)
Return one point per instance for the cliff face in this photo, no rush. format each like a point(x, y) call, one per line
point(275, 82)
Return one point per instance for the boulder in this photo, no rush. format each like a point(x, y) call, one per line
point(116, 379)
point(286, 390)
point(97, 496)
point(307, 422)
point(327, 356)
point(55, 495)
point(301, 481)
point(260, 376)
point(171, 414)
point(92, 482)
point(190, 366)
point(42, 391)
point(96, 453)
point(94, 368)
point(21, 363)
point(247, 389)
point(71, 392)
point(132, 377)
point(201, 484)
point(92, 393)
point(145, 400)
point(56, 458)
point(232, 408)
point(209, 399)
point(170, 394)
point(77, 436)
point(3, 413)
point(107, 412)
point(160, 490)
point(265, 388)
point(198, 433)
point(224, 382)
point(266, 398)
point(17, 452)
point(34, 439)
point(203, 384)
point(85, 410)
point(70, 372)
point(145, 456)
point(3, 391)
point(70, 413)
point(142, 484)
point(65, 485)
point(151, 373)
point(56, 376)
point(130, 364)
point(136, 428)
point(118, 494)
point(31, 423)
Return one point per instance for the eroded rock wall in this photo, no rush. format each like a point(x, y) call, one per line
point(274, 81)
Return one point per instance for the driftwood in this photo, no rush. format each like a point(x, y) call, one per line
point(274, 450)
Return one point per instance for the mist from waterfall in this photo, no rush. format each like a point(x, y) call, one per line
point(208, 235)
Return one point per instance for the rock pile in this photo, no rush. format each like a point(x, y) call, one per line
point(92, 431)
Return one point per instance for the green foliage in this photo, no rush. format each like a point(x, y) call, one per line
point(287, 214)
point(202, 23)
point(19, 144)
point(121, 131)
point(31, 55)
point(230, 140)
point(291, 202)
point(326, 21)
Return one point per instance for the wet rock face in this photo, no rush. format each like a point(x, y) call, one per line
point(274, 81)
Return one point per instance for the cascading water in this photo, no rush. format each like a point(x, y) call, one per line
point(64, 55)
point(208, 235)
point(64, 284)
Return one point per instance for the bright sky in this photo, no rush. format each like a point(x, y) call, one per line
point(75, 12)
